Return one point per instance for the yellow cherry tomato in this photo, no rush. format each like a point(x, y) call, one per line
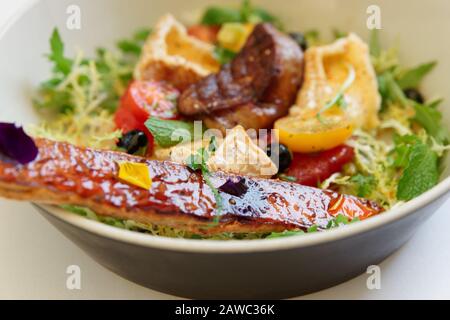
point(313, 134)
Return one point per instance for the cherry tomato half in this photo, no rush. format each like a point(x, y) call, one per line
point(145, 99)
point(311, 133)
point(312, 168)
point(151, 99)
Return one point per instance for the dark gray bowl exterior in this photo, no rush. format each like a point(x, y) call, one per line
point(252, 275)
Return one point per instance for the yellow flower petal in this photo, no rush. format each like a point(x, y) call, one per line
point(136, 174)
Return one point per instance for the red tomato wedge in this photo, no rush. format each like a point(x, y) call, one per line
point(204, 33)
point(145, 99)
point(313, 168)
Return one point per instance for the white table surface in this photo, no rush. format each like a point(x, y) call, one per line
point(34, 257)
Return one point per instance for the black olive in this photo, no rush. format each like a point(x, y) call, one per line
point(281, 153)
point(300, 39)
point(132, 141)
point(415, 95)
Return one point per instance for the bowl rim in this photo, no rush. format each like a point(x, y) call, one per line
point(234, 246)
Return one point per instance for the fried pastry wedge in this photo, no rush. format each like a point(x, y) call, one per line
point(171, 55)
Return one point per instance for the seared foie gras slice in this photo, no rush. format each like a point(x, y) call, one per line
point(65, 174)
point(266, 74)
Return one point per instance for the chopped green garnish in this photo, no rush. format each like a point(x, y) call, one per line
point(168, 133)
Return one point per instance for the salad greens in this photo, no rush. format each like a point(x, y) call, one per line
point(413, 77)
point(394, 163)
point(400, 171)
point(79, 99)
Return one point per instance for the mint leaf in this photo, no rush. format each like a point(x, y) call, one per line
point(168, 133)
point(421, 173)
point(61, 63)
point(413, 77)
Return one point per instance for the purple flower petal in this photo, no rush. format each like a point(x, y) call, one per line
point(235, 188)
point(16, 144)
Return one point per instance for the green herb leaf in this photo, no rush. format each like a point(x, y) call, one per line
point(431, 120)
point(128, 46)
point(413, 77)
point(390, 90)
point(168, 133)
point(421, 173)
point(223, 56)
point(365, 184)
point(219, 16)
point(61, 63)
point(134, 45)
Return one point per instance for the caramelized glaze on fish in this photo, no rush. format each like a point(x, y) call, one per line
point(65, 174)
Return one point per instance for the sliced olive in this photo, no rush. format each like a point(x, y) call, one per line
point(281, 153)
point(300, 39)
point(415, 95)
point(133, 141)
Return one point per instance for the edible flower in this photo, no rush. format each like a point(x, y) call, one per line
point(235, 188)
point(136, 174)
point(16, 144)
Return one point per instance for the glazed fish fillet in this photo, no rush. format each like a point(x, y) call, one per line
point(178, 197)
